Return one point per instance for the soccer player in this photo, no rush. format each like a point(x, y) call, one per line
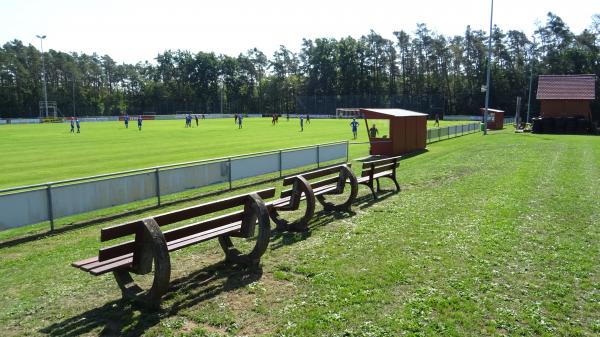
point(301, 123)
point(239, 120)
point(308, 118)
point(140, 122)
point(78, 126)
point(273, 119)
point(126, 120)
point(373, 132)
point(354, 125)
point(72, 125)
point(287, 116)
point(437, 120)
point(196, 117)
point(235, 116)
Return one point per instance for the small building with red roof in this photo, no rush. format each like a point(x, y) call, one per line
point(566, 95)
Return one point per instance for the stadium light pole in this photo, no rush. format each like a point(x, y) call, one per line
point(44, 72)
point(489, 67)
point(530, 80)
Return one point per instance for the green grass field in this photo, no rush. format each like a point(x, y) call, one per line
point(490, 236)
point(40, 153)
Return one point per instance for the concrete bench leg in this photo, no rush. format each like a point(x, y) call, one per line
point(256, 211)
point(151, 247)
point(301, 186)
point(346, 176)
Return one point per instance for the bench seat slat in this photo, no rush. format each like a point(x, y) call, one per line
point(378, 169)
point(313, 174)
point(98, 264)
point(101, 267)
point(78, 264)
point(383, 161)
point(123, 263)
point(188, 241)
point(173, 234)
point(129, 228)
point(362, 180)
point(320, 183)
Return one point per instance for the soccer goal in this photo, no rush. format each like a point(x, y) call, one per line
point(347, 113)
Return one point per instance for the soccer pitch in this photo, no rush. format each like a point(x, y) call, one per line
point(37, 153)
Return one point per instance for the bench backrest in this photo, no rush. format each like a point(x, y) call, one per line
point(380, 165)
point(333, 171)
point(134, 227)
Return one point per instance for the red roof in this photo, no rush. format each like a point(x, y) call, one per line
point(566, 87)
point(389, 113)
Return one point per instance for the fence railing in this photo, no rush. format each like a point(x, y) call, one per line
point(25, 205)
point(437, 134)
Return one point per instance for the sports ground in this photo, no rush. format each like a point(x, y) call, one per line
point(490, 235)
point(38, 153)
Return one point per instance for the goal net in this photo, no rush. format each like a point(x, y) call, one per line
point(347, 113)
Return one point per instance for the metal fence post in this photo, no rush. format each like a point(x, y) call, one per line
point(280, 164)
point(50, 211)
point(347, 151)
point(318, 156)
point(229, 162)
point(157, 179)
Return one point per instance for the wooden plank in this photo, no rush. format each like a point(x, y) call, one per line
point(102, 267)
point(173, 234)
point(312, 174)
point(382, 168)
point(194, 239)
point(78, 264)
point(125, 263)
point(321, 173)
point(325, 189)
point(381, 161)
point(99, 264)
point(321, 183)
point(117, 231)
point(111, 252)
point(203, 226)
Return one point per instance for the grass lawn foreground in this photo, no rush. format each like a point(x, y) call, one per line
point(494, 235)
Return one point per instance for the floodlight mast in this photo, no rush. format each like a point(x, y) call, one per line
point(44, 72)
point(489, 66)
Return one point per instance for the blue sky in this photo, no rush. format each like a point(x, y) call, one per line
point(133, 30)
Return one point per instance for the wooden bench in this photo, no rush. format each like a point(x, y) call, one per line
point(149, 250)
point(373, 170)
point(331, 181)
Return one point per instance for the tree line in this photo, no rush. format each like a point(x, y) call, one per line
point(424, 70)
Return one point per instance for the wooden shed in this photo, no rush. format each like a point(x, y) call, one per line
point(566, 95)
point(495, 118)
point(407, 131)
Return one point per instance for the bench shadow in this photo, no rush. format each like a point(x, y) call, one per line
point(123, 318)
point(367, 200)
point(281, 238)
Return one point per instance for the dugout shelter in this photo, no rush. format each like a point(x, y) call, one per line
point(495, 118)
point(407, 131)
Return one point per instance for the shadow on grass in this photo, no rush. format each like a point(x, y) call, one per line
point(320, 219)
point(123, 318)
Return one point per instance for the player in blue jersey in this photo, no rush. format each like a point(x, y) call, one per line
point(239, 120)
point(78, 126)
point(72, 125)
point(126, 121)
point(354, 125)
point(140, 122)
